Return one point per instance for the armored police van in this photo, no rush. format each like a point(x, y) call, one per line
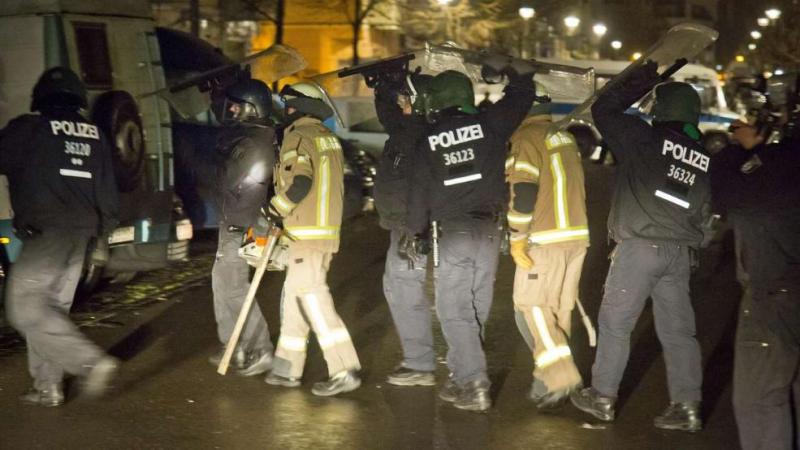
point(113, 47)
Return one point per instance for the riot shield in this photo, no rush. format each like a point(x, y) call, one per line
point(682, 42)
point(351, 88)
point(193, 95)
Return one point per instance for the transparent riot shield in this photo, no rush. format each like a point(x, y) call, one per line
point(681, 42)
point(193, 95)
point(351, 88)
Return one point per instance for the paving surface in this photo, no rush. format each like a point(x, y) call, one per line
point(168, 396)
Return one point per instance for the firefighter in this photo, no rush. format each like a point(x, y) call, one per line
point(246, 149)
point(548, 240)
point(661, 201)
point(63, 194)
point(459, 186)
point(309, 193)
point(399, 106)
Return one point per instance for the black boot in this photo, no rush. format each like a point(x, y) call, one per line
point(237, 360)
point(257, 362)
point(403, 376)
point(590, 401)
point(474, 396)
point(449, 392)
point(52, 395)
point(101, 374)
point(278, 380)
point(683, 416)
point(339, 383)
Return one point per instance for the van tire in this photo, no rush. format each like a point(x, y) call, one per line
point(117, 115)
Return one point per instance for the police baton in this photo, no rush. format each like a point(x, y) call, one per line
point(435, 242)
point(273, 235)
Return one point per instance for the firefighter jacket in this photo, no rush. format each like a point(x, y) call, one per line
point(60, 174)
point(458, 167)
point(662, 190)
point(545, 176)
point(392, 179)
point(309, 185)
point(247, 154)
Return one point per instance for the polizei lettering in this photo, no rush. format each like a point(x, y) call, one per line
point(74, 129)
point(461, 135)
point(686, 155)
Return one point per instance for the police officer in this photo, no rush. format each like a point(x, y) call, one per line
point(398, 106)
point(246, 152)
point(754, 185)
point(661, 198)
point(548, 240)
point(63, 193)
point(459, 185)
point(309, 195)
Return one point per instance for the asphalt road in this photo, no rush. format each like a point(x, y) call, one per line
point(168, 396)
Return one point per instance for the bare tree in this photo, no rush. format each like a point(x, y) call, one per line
point(266, 10)
point(470, 23)
point(779, 46)
point(356, 13)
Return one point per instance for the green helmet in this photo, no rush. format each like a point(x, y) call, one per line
point(418, 86)
point(308, 98)
point(59, 87)
point(676, 102)
point(450, 89)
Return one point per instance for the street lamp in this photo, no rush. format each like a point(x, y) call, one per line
point(599, 30)
point(755, 34)
point(636, 56)
point(572, 22)
point(616, 45)
point(773, 13)
point(527, 13)
point(443, 2)
point(751, 46)
point(762, 22)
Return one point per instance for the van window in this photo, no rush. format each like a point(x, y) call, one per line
point(90, 38)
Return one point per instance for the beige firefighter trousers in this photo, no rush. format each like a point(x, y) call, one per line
point(308, 305)
point(545, 295)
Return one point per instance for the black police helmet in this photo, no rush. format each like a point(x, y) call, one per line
point(59, 87)
point(254, 99)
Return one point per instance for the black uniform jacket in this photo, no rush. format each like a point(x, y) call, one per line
point(759, 192)
point(459, 166)
point(662, 190)
point(244, 174)
point(392, 181)
point(60, 174)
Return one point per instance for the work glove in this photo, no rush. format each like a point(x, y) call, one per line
point(643, 78)
point(413, 247)
point(519, 251)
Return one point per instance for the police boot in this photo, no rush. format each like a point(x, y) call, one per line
point(449, 392)
point(257, 362)
point(52, 395)
point(590, 401)
point(474, 396)
point(344, 381)
point(544, 399)
point(101, 374)
point(683, 416)
point(403, 376)
point(237, 360)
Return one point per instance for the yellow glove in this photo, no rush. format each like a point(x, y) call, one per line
point(519, 251)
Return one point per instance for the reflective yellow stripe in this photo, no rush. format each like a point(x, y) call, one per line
point(314, 313)
point(327, 144)
point(284, 206)
point(323, 191)
point(554, 355)
point(519, 218)
point(313, 233)
point(509, 162)
point(291, 343)
point(337, 336)
point(559, 190)
point(303, 160)
point(558, 140)
point(541, 325)
point(527, 168)
point(285, 156)
point(552, 236)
